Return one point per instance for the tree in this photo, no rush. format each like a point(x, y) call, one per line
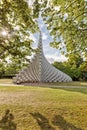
point(83, 68)
point(16, 25)
point(67, 22)
point(13, 67)
point(75, 60)
point(72, 71)
point(75, 67)
point(1, 69)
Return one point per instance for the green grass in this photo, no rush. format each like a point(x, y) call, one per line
point(44, 108)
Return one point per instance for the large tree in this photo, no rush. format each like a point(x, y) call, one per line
point(67, 23)
point(16, 24)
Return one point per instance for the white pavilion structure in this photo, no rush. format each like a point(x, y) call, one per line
point(40, 70)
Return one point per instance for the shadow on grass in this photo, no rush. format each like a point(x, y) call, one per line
point(63, 124)
point(7, 123)
point(42, 121)
point(57, 121)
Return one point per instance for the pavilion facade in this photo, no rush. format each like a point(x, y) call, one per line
point(40, 70)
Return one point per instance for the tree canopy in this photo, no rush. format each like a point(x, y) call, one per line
point(16, 24)
point(65, 20)
point(67, 23)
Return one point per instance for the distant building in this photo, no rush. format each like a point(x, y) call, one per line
point(40, 70)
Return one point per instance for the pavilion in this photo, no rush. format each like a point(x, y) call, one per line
point(40, 70)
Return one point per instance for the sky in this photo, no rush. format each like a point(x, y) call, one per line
point(50, 53)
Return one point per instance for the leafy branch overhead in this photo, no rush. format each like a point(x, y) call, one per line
point(67, 23)
point(16, 25)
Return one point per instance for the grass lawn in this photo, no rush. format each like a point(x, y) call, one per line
point(44, 108)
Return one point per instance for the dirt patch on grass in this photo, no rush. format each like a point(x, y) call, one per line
point(16, 98)
point(21, 98)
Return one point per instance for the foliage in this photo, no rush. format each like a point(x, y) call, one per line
point(66, 20)
point(83, 68)
point(1, 69)
point(67, 24)
point(65, 67)
point(75, 60)
point(16, 25)
point(9, 69)
point(74, 67)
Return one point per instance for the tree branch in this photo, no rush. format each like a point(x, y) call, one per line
point(71, 4)
point(6, 48)
point(80, 15)
point(83, 29)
